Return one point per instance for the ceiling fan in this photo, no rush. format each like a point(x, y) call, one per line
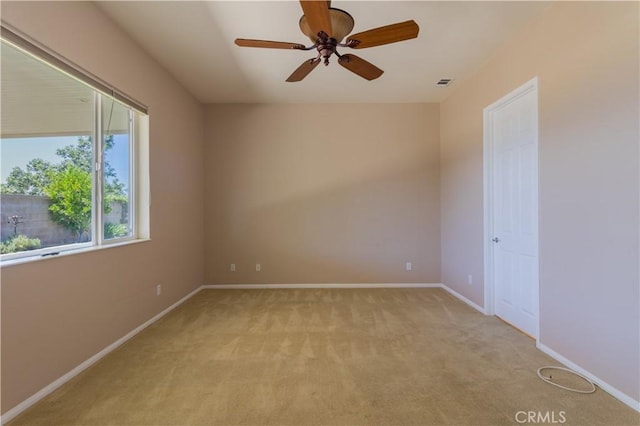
point(327, 26)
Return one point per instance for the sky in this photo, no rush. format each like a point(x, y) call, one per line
point(19, 151)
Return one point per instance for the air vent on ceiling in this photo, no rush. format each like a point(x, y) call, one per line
point(444, 82)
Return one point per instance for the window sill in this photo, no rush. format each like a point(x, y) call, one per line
point(65, 253)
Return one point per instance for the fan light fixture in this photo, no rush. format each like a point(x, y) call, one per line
point(341, 22)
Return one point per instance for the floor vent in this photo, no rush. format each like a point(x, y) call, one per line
point(444, 82)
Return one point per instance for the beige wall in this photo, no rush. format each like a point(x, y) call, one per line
point(322, 193)
point(586, 57)
point(58, 312)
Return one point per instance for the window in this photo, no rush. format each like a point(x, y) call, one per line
point(70, 166)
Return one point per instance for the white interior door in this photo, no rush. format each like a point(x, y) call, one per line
point(513, 212)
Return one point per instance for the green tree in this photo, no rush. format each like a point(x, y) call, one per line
point(70, 195)
point(68, 184)
point(31, 181)
point(38, 173)
point(81, 156)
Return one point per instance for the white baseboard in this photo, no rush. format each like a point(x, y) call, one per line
point(465, 300)
point(13, 412)
point(601, 383)
point(322, 285)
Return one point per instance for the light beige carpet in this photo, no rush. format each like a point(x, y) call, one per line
point(322, 357)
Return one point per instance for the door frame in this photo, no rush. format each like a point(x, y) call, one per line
point(488, 166)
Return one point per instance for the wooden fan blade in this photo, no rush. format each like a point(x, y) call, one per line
point(317, 13)
point(359, 66)
point(303, 70)
point(384, 35)
point(268, 44)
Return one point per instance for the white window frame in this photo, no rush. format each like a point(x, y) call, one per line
point(138, 204)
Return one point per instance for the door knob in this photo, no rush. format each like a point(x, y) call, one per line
point(496, 240)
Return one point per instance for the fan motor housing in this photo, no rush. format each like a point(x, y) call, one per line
point(326, 48)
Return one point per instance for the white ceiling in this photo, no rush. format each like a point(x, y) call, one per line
point(194, 41)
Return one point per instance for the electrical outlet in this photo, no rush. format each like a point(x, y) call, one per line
point(158, 289)
point(469, 279)
point(258, 267)
point(232, 267)
point(408, 266)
